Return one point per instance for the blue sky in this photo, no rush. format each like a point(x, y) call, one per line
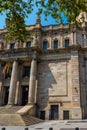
point(32, 19)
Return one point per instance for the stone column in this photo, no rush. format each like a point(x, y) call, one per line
point(32, 82)
point(13, 83)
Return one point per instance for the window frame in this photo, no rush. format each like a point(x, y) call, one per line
point(55, 44)
point(12, 46)
point(26, 73)
point(45, 45)
point(28, 44)
point(66, 114)
point(67, 44)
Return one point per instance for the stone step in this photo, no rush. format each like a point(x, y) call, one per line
point(9, 109)
point(31, 120)
point(17, 116)
point(18, 120)
point(10, 120)
point(24, 109)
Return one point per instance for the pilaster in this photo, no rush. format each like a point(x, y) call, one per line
point(61, 42)
point(76, 106)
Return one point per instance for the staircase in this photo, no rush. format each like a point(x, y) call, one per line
point(9, 109)
point(29, 120)
point(11, 116)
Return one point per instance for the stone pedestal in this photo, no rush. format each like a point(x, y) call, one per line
point(32, 82)
point(13, 83)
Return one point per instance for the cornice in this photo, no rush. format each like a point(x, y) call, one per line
point(62, 50)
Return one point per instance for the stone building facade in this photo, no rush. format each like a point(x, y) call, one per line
point(49, 71)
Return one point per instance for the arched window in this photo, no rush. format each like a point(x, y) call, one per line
point(12, 45)
point(28, 44)
point(66, 43)
point(55, 44)
point(45, 45)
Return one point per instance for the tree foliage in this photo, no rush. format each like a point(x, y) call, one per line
point(17, 10)
point(56, 8)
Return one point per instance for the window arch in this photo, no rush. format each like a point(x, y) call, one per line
point(67, 43)
point(45, 45)
point(12, 46)
point(55, 44)
point(28, 44)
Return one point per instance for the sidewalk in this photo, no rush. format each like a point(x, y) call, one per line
point(61, 125)
point(52, 125)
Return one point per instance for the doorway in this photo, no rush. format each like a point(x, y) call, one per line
point(25, 95)
point(54, 112)
point(42, 115)
point(6, 94)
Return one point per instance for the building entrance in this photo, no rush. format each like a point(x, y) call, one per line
point(54, 112)
point(42, 115)
point(6, 94)
point(25, 95)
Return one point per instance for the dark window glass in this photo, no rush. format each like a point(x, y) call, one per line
point(66, 115)
point(45, 45)
point(55, 44)
point(8, 75)
point(28, 44)
point(12, 45)
point(26, 71)
point(6, 94)
point(66, 43)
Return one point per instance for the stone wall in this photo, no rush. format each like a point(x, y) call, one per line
point(55, 84)
point(62, 72)
point(83, 83)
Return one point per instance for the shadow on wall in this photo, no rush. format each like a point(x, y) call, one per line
point(50, 78)
point(45, 81)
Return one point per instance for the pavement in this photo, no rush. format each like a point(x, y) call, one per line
point(61, 125)
point(52, 125)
